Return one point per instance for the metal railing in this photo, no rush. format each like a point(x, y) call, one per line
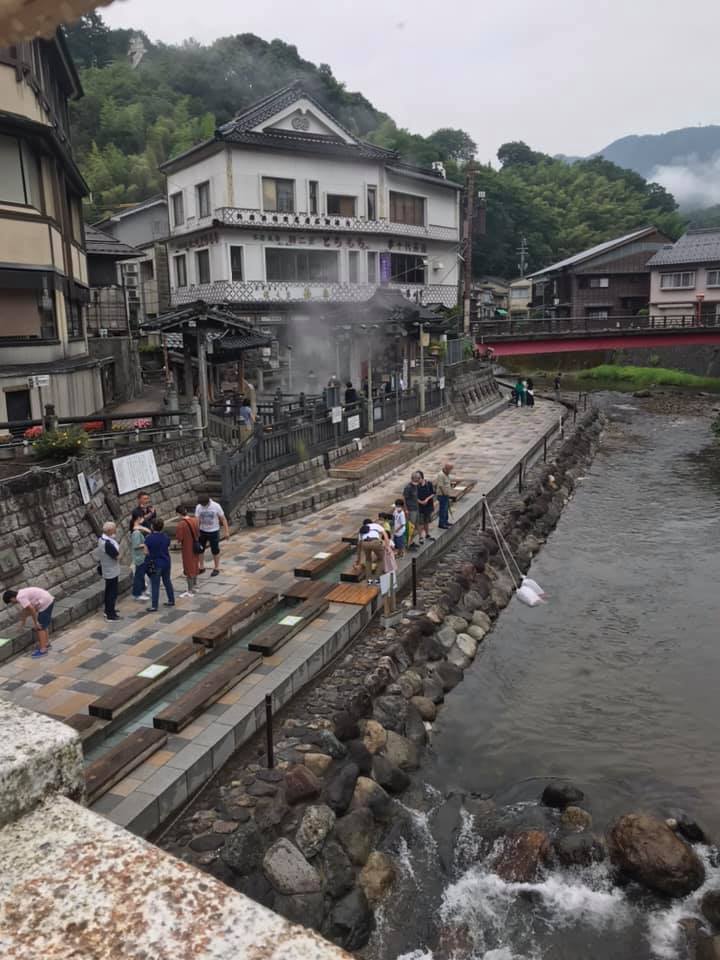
point(251, 291)
point(326, 223)
point(290, 432)
point(568, 326)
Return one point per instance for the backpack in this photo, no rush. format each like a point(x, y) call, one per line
point(197, 547)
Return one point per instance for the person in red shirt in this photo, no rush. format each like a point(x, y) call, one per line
point(38, 604)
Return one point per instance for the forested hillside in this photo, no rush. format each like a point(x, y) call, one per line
point(132, 119)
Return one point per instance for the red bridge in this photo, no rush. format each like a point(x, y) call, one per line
point(570, 334)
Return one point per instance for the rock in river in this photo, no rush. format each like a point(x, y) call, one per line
point(522, 855)
point(301, 785)
point(710, 908)
point(425, 707)
point(647, 850)
point(401, 752)
point(351, 921)
point(373, 734)
point(316, 824)
point(288, 870)
point(575, 818)
point(336, 868)
point(340, 787)
point(377, 876)
point(561, 795)
point(356, 832)
point(392, 778)
point(579, 849)
point(243, 851)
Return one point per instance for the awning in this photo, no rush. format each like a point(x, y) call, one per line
point(499, 312)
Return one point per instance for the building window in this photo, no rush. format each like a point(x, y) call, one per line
point(202, 199)
point(178, 209)
point(406, 268)
point(236, 263)
point(713, 278)
point(278, 195)
point(340, 206)
point(372, 267)
point(147, 270)
point(19, 173)
point(75, 217)
point(75, 319)
point(313, 196)
point(300, 266)
point(596, 282)
point(48, 320)
point(180, 270)
point(677, 281)
point(202, 266)
point(406, 208)
point(520, 293)
point(353, 266)
point(372, 203)
point(598, 314)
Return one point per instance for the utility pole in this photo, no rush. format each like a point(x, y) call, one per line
point(523, 254)
point(467, 243)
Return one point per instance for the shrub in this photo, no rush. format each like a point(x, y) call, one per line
point(65, 442)
point(92, 426)
point(32, 433)
point(143, 423)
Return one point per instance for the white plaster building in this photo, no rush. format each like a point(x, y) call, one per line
point(284, 208)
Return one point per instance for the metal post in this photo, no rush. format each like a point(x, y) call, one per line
point(574, 413)
point(414, 581)
point(585, 402)
point(545, 449)
point(520, 477)
point(484, 513)
point(269, 731)
point(203, 378)
point(290, 383)
point(370, 406)
point(422, 368)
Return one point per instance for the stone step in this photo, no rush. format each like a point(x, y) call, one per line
point(104, 773)
point(299, 503)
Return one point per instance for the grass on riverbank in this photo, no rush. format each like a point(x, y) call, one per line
point(644, 377)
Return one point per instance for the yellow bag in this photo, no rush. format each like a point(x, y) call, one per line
point(410, 531)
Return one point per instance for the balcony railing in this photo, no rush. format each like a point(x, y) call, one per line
point(320, 223)
point(227, 291)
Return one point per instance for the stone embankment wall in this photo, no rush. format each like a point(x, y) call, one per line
point(311, 838)
point(47, 533)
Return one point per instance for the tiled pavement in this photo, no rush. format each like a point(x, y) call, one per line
point(92, 656)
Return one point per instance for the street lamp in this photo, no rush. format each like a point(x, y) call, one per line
point(421, 327)
point(369, 327)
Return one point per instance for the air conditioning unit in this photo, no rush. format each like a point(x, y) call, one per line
point(131, 282)
point(103, 332)
point(130, 268)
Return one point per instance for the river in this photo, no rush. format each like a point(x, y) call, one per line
point(613, 684)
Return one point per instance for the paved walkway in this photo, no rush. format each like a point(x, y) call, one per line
point(93, 656)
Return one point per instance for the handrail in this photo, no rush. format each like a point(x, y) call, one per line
point(591, 326)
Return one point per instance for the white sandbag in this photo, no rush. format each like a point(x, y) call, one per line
point(528, 596)
point(535, 587)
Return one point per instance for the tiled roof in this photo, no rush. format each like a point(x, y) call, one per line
point(288, 140)
point(98, 243)
point(134, 208)
point(593, 252)
point(696, 246)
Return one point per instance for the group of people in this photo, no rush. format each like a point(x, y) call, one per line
point(408, 526)
point(197, 529)
point(523, 393)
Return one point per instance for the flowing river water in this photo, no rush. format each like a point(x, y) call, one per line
point(614, 685)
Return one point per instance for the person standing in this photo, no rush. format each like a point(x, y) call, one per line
point(157, 548)
point(187, 533)
point(38, 604)
point(410, 496)
point(210, 516)
point(138, 532)
point(426, 505)
point(557, 385)
point(520, 392)
point(399, 527)
point(530, 392)
point(107, 554)
point(145, 509)
point(351, 394)
point(443, 489)
point(246, 414)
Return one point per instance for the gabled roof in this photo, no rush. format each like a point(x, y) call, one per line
point(222, 318)
point(593, 252)
point(132, 209)
point(695, 246)
point(100, 244)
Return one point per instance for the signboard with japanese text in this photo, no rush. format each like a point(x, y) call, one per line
point(135, 471)
point(354, 422)
point(337, 414)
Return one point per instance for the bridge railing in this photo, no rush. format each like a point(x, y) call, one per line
point(567, 326)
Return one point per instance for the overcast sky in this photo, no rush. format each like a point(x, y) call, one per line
point(566, 76)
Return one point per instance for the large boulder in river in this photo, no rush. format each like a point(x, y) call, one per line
point(646, 850)
point(522, 855)
point(561, 795)
point(710, 908)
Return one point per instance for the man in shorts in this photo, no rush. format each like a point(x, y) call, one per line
point(38, 604)
point(410, 496)
point(210, 516)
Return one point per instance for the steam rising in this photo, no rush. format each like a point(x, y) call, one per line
point(694, 183)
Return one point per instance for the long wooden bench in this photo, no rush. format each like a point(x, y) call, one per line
point(358, 593)
point(305, 589)
point(427, 435)
point(108, 770)
point(461, 488)
point(129, 691)
point(185, 709)
point(285, 629)
point(323, 560)
point(371, 464)
point(237, 622)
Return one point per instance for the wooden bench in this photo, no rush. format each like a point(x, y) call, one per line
point(370, 464)
point(297, 619)
point(237, 622)
point(307, 590)
point(185, 709)
point(129, 691)
point(426, 435)
point(323, 560)
point(108, 770)
point(358, 593)
point(461, 488)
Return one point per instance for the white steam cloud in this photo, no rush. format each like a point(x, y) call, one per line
point(693, 182)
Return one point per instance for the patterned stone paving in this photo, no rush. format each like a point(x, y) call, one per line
point(92, 656)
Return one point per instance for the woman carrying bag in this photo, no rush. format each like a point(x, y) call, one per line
point(187, 534)
point(157, 565)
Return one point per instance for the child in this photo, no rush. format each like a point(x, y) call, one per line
point(399, 527)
